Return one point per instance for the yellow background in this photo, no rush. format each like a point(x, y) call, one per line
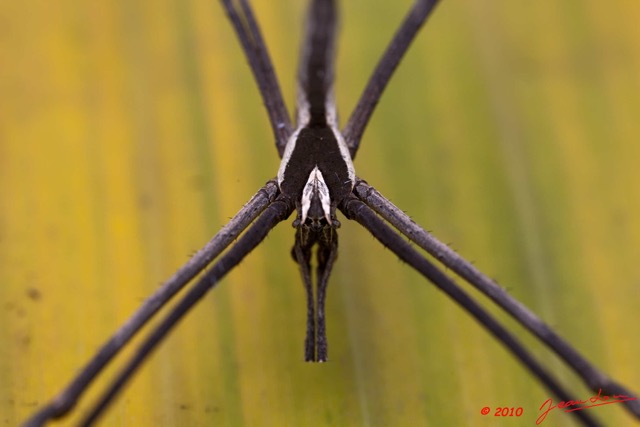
point(131, 131)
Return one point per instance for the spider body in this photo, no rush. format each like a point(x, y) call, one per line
point(316, 171)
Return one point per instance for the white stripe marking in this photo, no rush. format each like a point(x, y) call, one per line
point(315, 185)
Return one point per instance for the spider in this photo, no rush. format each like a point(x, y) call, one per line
point(316, 179)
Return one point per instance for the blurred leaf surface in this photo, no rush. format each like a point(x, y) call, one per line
point(131, 131)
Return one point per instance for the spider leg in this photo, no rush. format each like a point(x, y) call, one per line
point(354, 208)
point(302, 255)
point(327, 254)
point(255, 49)
point(315, 343)
point(66, 400)
point(276, 212)
point(594, 378)
point(386, 66)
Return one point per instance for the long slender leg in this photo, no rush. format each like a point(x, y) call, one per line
point(302, 254)
point(67, 399)
point(327, 254)
point(354, 208)
point(327, 241)
point(386, 66)
point(591, 375)
point(248, 32)
point(276, 212)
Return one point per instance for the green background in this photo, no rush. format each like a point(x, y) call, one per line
point(131, 131)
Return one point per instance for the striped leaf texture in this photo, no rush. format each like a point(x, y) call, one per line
point(132, 131)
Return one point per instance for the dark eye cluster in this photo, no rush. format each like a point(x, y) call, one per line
point(316, 224)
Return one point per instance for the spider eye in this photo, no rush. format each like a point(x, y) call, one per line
point(316, 223)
